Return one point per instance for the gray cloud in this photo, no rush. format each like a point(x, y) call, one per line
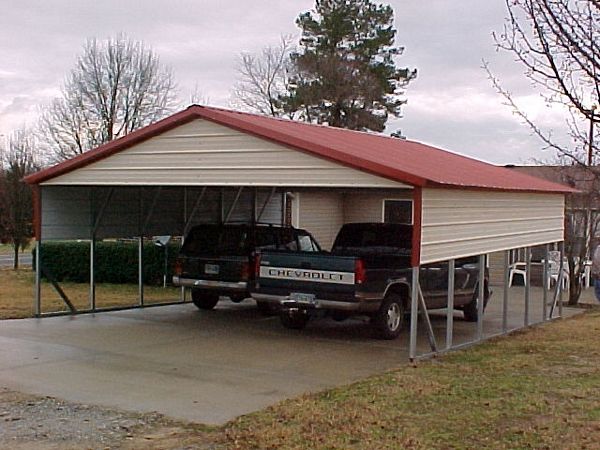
point(451, 104)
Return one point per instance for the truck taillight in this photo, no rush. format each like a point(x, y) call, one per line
point(360, 273)
point(257, 266)
point(245, 271)
point(178, 268)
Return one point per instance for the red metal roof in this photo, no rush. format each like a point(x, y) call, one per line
point(400, 160)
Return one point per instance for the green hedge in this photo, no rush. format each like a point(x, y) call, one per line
point(115, 262)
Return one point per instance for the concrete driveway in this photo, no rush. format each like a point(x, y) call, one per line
point(206, 367)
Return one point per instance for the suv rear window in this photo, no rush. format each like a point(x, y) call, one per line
point(216, 240)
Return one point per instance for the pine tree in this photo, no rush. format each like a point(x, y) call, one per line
point(345, 74)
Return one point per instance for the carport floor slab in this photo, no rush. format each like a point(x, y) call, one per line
point(200, 366)
point(207, 367)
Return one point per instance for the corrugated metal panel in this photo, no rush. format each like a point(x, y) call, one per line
point(369, 207)
point(66, 213)
point(71, 212)
point(204, 153)
point(322, 214)
point(459, 223)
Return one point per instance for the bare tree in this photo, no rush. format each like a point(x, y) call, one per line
point(17, 160)
point(116, 87)
point(556, 42)
point(263, 78)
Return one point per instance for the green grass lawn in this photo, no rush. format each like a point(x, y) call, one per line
point(539, 388)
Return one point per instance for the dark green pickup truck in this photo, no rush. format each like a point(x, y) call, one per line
point(367, 272)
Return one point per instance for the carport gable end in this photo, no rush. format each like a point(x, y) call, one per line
point(213, 147)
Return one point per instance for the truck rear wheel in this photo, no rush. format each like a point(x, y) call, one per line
point(471, 309)
point(295, 320)
point(388, 321)
point(204, 300)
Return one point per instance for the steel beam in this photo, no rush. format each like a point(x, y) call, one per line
point(450, 305)
point(141, 270)
point(265, 204)
point(189, 219)
point(37, 301)
point(92, 272)
point(480, 296)
point(414, 305)
point(505, 293)
point(234, 204)
point(545, 283)
point(425, 315)
point(527, 285)
point(562, 268)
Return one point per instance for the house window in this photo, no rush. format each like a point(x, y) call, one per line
point(398, 211)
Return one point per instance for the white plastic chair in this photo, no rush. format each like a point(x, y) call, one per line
point(517, 268)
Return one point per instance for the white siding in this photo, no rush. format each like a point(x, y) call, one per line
point(202, 153)
point(458, 223)
point(322, 214)
point(368, 207)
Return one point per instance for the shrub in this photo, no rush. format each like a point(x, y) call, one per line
point(115, 262)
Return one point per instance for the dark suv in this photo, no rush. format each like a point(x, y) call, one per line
point(218, 259)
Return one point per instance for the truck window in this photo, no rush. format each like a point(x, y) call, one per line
point(306, 243)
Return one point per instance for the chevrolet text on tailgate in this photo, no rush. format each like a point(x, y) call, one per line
point(367, 273)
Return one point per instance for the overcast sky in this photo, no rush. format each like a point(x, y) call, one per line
point(451, 104)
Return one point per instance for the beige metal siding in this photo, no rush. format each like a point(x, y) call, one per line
point(369, 207)
point(322, 214)
point(458, 223)
point(201, 153)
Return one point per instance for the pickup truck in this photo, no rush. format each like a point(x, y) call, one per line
point(217, 259)
point(367, 272)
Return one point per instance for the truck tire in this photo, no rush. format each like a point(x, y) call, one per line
point(295, 320)
point(204, 300)
point(470, 310)
point(388, 321)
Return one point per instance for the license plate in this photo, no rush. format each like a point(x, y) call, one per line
point(300, 297)
point(211, 269)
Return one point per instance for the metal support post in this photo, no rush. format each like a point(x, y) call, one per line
point(37, 305)
point(545, 284)
point(505, 293)
point(141, 270)
point(527, 284)
point(414, 309)
point(450, 306)
point(480, 297)
point(93, 273)
point(562, 269)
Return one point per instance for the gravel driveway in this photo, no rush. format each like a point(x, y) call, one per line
point(30, 422)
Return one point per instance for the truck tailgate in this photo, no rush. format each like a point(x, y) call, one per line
point(320, 274)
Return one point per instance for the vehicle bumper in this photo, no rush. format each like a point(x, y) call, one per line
point(362, 304)
point(240, 286)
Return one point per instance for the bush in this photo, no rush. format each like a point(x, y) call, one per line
point(116, 261)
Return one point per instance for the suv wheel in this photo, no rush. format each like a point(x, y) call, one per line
point(295, 320)
point(204, 300)
point(388, 321)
